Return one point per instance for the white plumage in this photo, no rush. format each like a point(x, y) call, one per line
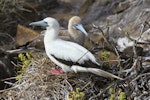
point(69, 51)
point(61, 51)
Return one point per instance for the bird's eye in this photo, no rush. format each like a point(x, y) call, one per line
point(45, 22)
point(75, 26)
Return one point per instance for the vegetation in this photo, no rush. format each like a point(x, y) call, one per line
point(77, 95)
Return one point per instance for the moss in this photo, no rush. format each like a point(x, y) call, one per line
point(112, 95)
point(111, 90)
point(122, 96)
point(105, 57)
point(77, 95)
point(25, 60)
point(21, 57)
point(18, 77)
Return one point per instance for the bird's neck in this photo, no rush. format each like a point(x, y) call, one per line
point(51, 35)
point(76, 35)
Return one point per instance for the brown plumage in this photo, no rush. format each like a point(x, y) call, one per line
point(76, 35)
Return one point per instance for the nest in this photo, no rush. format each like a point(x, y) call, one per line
point(37, 83)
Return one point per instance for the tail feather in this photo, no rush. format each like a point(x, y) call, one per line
point(103, 73)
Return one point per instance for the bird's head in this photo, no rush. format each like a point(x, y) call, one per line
point(47, 22)
point(75, 23)
point(75, 20)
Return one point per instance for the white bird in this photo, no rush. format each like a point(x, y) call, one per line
point(68, 55)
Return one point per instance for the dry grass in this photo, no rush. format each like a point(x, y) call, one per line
point(37, 83)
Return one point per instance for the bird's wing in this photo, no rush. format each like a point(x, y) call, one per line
point(69, 51)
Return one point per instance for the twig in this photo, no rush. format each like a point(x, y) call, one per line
point(102, 34)
point(114, 49)
point(86, 85)
point(146, 22)
point(134, 50)
point(8, 79)
point(69, 84)
point(14, 86)
point(140, 76)
point(137, 41)
point(99, 94)
point(133, 66)
point(141, 32)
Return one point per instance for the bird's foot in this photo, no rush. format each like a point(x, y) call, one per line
point(57, 71)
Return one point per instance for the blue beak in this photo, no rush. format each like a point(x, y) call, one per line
point(80, 27)
point(39, 23)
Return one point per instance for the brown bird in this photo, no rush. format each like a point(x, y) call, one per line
point(76, 30)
